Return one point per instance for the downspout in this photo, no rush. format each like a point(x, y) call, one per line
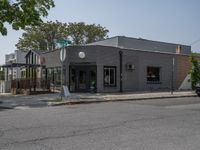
point(120, 68)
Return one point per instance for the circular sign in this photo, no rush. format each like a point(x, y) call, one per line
point(81, 55)
point(62, 54)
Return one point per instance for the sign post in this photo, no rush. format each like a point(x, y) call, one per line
point(62, 59)
point(63, 43)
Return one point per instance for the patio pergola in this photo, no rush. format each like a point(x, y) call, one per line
point(30, 84)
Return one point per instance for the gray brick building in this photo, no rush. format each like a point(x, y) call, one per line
point(120, 64)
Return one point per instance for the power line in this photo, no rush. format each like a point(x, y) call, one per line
point(196, 41)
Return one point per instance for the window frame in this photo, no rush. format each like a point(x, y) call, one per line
point(54, 75)
point(159, 77)
point(115, 76)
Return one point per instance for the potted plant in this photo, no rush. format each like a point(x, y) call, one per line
point(93, 86)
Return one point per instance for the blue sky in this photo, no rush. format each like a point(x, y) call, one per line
point(176, 21)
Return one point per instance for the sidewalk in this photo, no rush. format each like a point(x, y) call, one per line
point(83, 98)
point(24, 101)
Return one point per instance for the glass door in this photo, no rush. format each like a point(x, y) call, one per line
point(82, 78)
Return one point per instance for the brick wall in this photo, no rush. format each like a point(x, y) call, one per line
point(183, 68)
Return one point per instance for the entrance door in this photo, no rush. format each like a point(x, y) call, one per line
point(82, 78)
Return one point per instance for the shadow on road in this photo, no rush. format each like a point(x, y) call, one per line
point(2, 108)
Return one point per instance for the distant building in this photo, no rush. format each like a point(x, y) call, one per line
point(18, 57)
point(13, 72)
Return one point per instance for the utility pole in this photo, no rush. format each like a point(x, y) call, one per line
point(172, 79)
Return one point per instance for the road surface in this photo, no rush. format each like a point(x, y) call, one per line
point(167, 124)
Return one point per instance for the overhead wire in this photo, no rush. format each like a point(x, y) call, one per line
point(196, 41)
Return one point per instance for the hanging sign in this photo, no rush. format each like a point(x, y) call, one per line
point(62, 54)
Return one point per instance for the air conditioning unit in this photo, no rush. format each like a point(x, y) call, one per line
point(130, 66)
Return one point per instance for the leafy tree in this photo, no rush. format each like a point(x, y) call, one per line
point(76, 32)
point(22, 13)
point(82, 33)
point(95, 33)
point(42, 37)
point(195, 71)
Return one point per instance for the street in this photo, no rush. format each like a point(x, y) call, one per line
point(162, 124)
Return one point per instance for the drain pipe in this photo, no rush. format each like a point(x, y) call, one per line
point(120, 68)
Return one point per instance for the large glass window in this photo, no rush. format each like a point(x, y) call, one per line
point(54, 75)
point(23, 74)
point(109, 76)
point(153, 74)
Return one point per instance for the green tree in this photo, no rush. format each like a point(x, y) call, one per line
point(95, 33)
point(22, 13)
point(82, 33)
point(76, 32)
point(42, 37)
point(195, 71)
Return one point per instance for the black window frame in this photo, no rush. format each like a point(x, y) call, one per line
point(54, 75)
point(115, 76)
point(156, 79)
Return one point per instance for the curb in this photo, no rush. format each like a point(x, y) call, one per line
point(5, 107)
point(117, 100)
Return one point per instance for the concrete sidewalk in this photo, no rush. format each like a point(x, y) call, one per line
point(82, 98)
point(24, 101)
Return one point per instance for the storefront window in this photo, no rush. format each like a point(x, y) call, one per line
point(153, 74)
point(54, 75)
point(109, 76)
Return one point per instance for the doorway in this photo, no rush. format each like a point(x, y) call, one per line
point(82, 78)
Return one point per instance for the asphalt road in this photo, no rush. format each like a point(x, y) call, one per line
point(167, 124)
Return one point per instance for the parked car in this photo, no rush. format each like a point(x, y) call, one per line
point(197, 89)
